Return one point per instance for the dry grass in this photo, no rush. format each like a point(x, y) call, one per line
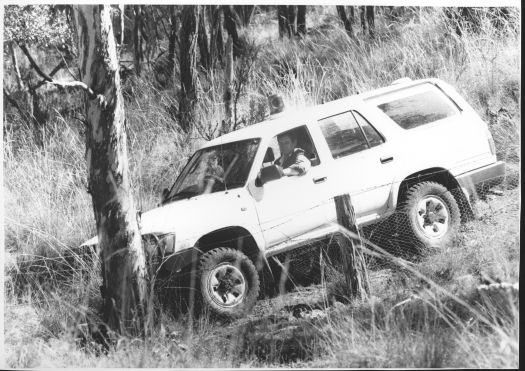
point(51, 288)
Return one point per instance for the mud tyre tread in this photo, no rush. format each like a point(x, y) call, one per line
point(211, 260)
point(408, 210)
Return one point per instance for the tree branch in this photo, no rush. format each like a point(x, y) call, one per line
point(33, 63)
point(48, 79)
point(51, 74)
point(66, 66)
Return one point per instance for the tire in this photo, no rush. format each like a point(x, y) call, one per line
point(431, 215)
point(229, 283)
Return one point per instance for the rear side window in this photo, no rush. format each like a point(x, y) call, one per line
point(419, 108)
point(343, 135)
point(348, 133)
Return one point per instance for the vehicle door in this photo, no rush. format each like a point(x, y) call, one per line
point(362, 165)
point(292, 205)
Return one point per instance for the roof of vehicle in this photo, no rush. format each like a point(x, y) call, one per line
point(290, 119)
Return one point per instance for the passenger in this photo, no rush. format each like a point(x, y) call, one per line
point(214, 170)
point(213, 175)
point(293, 160)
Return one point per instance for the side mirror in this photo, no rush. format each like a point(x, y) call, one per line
point(269, 156)
point(268, 174)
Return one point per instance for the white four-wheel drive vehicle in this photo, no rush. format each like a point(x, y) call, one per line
point(415, 147)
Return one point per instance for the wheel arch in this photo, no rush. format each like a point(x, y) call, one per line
point(235, 237)
point(435, 174)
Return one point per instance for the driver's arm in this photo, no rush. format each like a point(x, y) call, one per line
point(301, 165)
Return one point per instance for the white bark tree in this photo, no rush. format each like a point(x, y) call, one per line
point(124, 273)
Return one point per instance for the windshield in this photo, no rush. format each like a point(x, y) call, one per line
point(215, 169)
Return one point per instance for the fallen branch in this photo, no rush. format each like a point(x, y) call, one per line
point(73, 84)
point(51, 74)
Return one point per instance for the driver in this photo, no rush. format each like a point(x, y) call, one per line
point(292, 160)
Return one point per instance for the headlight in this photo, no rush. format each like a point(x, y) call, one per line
point(161, 245)
point(150, 242)
point(167, 244)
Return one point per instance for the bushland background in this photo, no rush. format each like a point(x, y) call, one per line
point(424, 314)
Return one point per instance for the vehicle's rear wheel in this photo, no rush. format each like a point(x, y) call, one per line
point(431, 213)
point(229, 283)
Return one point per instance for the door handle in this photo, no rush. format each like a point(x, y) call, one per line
point(386, 159)
point(319, 180)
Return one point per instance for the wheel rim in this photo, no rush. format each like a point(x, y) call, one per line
point(433, 216)
point(226, 285)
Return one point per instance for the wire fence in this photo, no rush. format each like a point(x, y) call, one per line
point(430, 218)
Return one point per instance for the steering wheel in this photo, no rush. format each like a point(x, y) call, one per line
point(217, 181)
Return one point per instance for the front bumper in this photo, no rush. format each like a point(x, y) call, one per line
point(162, 254)
point(478, 180)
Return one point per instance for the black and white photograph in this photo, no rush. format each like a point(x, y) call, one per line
point(243, 185)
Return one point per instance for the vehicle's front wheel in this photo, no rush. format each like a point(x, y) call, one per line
point(432, 214)
point(229, 283)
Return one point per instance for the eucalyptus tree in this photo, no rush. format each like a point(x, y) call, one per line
point(125, 287)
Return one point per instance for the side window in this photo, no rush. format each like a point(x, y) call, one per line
point(422, 106)
point(343, 135)
point(371, 134)
point(304, 142)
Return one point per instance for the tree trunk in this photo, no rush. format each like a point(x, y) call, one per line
point(125, 288)
point(14, 59)
point(216, 44)
point(370, 17)
point(346, 21)
point(354, 267)
point(362, 10)
point(172, 42)
point(245, 13)
point(351, 15)
point(26, 113)
point(301, 19)
point(230, 24)
point(228, 77)
point(122, 29)
point(203, 40)
point(40, 116)
point(137, 39)
point(292, 20)
point(188, 65)
point(147, 38)
point(282, 20)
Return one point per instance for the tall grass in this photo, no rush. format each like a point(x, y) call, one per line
point(48, 211)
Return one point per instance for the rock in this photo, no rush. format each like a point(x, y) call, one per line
point(496, 192)
point(278, 341)
point(316, 313)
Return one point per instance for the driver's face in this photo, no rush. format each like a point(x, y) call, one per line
point(286, 145)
